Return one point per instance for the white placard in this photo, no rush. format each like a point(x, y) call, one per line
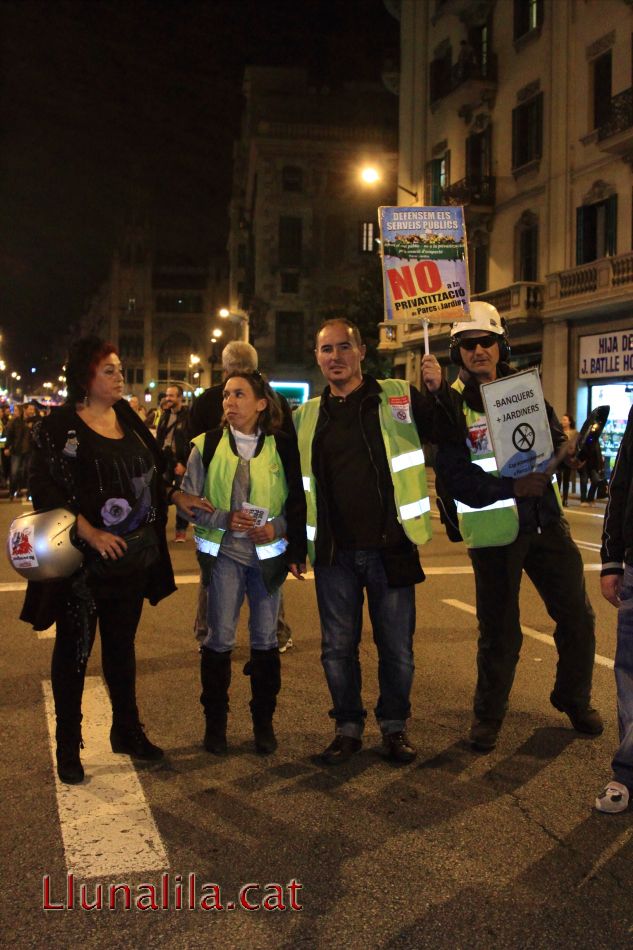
point(606, 354)
point(517, 423)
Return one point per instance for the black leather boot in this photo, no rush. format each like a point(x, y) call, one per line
point(215, 676)
point(69, 742)
point(128, 738)
point(264, 669)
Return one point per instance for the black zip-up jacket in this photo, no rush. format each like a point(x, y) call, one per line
point(399, 555)
point(459, 478)
point(617, 534)
point(179, 451)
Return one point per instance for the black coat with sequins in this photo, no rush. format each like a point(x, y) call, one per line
point(52, 484)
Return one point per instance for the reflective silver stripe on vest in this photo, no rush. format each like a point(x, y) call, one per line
point(463, 509)
point(311, 532)
point(414, 509)
point(306, 483)
point(207, 547)
point(407, 460)
point(264, 551)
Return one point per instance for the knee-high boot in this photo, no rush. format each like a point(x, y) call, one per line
point(215, 676)
point(68, 683)
point(264, 669)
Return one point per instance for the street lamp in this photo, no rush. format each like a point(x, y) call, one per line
point(216, 335)
point(241, 318)
point(194, 361)
point(370, 175)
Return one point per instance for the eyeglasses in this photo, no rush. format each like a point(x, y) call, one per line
point(471, 343)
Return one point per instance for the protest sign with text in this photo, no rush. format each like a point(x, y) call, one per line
point(517, 423)
point(425, 267)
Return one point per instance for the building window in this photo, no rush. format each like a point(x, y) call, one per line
point(367, 237)
point(440, 73)
point(528, 16)
point(131, 348)
point(526, 248)
point(179, 303)
point(289, 282)
point(292, 178)
point(601, 68)
point(478, 248)
point(596, 230)
point(290, 238)
point(478, 157)
point(289, 336)
point(437, 179)
point(527, 131)
point(241, 255)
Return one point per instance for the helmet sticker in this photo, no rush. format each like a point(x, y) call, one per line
point(21, 547)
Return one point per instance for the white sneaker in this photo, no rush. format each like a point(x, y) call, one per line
point(613, 799)
point(287, 645)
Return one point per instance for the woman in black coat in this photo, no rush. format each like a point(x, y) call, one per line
point(96, 458)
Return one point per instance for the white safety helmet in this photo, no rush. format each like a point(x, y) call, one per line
point(485, 317)
point(40, 545)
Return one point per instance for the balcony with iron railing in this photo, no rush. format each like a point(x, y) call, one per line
point(478, 192)
point(473, 79)
point(609, 280)
point(615, 135)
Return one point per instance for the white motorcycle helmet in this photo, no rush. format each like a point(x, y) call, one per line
point(39, 545)
point(485, 317)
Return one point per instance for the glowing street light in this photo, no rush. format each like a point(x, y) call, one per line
point(241, 318)
point(370, 175)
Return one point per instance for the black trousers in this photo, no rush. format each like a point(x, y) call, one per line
point(553, 563)
point(119, 607)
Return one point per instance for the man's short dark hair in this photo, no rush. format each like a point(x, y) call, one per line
point(347, 323)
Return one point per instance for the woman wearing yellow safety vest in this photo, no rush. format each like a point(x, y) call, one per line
point(249, 470)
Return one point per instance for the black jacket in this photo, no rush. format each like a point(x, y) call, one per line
point(459, 478)
point(179, 451)
point(51, 481)
point(399, 555)
point(617, 535)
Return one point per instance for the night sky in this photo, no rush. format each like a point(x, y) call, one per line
point(108, 103)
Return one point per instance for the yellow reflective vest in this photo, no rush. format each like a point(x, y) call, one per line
point(497, 524)
point(268, 489)
point(404, 452)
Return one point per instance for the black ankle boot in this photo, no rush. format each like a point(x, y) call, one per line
point(129, 739)
point(215, 676)
point(264, 669)
point(69, 767)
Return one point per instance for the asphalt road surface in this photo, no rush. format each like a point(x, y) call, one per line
point(458, 850)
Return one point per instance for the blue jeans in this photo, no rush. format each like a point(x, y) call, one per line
point(340, 596)
point(230, 581)
point(623, 759)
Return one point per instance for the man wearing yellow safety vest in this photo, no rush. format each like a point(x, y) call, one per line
point(368, 509)
point(511, 526)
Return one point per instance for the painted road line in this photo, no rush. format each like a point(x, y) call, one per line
point(528, 631)
point(106, 822)
point(48, 634)
point(588, 545)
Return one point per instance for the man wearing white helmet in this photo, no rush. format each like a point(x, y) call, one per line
point(511, 526)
